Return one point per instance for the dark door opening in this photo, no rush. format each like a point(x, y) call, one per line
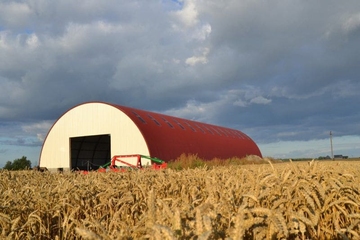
point(89, 152)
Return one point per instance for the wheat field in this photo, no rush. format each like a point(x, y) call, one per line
point(305, 200)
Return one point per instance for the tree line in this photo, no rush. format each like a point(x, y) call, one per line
point(18, 164)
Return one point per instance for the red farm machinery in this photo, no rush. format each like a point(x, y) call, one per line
point(122, 163)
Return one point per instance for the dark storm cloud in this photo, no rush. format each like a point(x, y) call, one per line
point(21, 142)
point(279, 70)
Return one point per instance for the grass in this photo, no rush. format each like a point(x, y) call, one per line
point(191, 161)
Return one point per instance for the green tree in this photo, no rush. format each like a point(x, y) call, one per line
point(18, 164)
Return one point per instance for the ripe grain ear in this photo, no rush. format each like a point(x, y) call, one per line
point(151, 209)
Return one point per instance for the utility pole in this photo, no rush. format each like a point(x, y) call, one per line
point(331, 145)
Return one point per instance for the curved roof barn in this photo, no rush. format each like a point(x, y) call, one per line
point(89, 134)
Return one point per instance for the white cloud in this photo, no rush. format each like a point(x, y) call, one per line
point(260, 100)
point(203, 33)
point(76, 36)
point(193, 110)
point(192, 61)
point(256, 100)
point(247, 96)
point(32, 41)
point(37, 126)
point(188, 15)
point(39, 129)
point(240, 103)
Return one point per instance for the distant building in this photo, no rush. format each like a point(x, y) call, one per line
point(340, 157)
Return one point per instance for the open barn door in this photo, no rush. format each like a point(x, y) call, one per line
point(89, 152)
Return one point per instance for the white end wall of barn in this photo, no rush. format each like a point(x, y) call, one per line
point(88, 120)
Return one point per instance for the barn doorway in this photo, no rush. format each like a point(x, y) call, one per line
point(89, 152)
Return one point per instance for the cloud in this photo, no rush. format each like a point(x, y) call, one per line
point(40, 129)
point(188, 14)
point(24, 142)
point(352, 23)
point(249, 95)
point(260, 100)
point(192, 61)
point(276, 75)
point(15, 14)
point(203, 33)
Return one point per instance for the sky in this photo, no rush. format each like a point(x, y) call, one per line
point(285, 73)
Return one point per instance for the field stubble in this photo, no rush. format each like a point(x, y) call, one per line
point(302, 200)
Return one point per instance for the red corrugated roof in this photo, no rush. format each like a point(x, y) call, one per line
point(168, 137)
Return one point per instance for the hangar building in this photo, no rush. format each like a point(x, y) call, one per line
point(91, 133)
